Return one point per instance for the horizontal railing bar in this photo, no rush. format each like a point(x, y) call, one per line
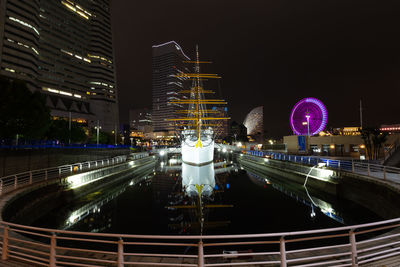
point(380, 257)
point(159, 263)
point(76, 264)
point(30, 233)
point(15, 253)
point(87, 240)
point(85, 259)
point(29, 242)
point(160, 255)
point(321, 263)
point(321, 257)
point(161, 244)
point(377, 239)
point(317, 248)
point(240, 243)
point(378, 253)
point(30, 250)
point(197, 237)
point(315, 238)
point(28, 260)
point(87, 250)
point(241, 254)
point(377, 229)
point(242, 263)
point(377, 247)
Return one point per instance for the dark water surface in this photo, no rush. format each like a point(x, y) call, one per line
point(240, 202)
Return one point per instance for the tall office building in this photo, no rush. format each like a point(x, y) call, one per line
point(64, 49)
point(168, 60)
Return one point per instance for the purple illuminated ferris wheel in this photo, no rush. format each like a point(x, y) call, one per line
point(308, 117)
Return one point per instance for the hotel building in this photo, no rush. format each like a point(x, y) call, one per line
point(64, 49)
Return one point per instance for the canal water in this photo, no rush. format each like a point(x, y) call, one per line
point(220, 198)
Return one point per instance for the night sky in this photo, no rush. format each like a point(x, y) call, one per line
point(271, 53)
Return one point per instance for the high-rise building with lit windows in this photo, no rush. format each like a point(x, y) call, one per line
point(64, 49)
point(168, 60)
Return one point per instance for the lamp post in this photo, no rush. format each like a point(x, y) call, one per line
point(308, 131)
point(97, 130)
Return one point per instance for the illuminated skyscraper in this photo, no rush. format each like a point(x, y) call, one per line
point(64, 49)
point(167, 61)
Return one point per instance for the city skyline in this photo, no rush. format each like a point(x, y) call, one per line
point(276, 52)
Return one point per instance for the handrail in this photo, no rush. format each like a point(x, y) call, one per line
point(375, 171)
point(350, 251)
point(15, 181)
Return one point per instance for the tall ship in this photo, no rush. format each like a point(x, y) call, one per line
point(198, 123)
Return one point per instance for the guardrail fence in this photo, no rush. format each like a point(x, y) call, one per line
point(16, 181)
point(356, 166)
point(342, 246)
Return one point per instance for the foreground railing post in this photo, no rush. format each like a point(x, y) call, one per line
point(15, 182)
point(201, 254)
point(4, 251)
point(384, 172)
point(120, 259)
point(30, 177)
point(352, 165)
point(369, 170)
point(283, 252)
point(354, 260)
point(53, 253)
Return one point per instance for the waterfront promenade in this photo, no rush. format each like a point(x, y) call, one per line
point(386, 247)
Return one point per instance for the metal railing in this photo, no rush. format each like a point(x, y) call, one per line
point(342, 246)
point(16, 181)
point(375, 171)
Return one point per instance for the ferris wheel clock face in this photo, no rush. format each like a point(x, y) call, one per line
point(308, 117)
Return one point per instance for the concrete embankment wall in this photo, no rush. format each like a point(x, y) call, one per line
point(293, 172)
point(33, 202)
point(379, 196)
point(17, 161)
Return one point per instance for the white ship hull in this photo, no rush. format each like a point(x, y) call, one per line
point(197, 155)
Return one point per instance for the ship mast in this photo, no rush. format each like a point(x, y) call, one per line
point(197, 111)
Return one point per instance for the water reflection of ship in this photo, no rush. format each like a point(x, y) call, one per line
point(190, 211)
point(299, 195)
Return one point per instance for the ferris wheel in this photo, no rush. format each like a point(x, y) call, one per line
point(308, 117)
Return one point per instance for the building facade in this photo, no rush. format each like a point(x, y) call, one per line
point(63, 49)
point(141, 120)
point(168, 60)
point(254, 123)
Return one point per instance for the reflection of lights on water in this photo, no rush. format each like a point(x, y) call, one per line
point(321, 164)
point(219, 149)
point(131, 163)
point(162, 153)
point(173, 161)
point(324, 173)
point(224, 150)
point(266, 160)
point(131, 183)
point(162, 164)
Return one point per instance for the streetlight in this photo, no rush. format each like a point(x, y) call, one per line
point(98, 129)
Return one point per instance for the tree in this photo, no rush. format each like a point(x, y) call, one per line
point(373, 140)
point(59, 130)
point(21, 111)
